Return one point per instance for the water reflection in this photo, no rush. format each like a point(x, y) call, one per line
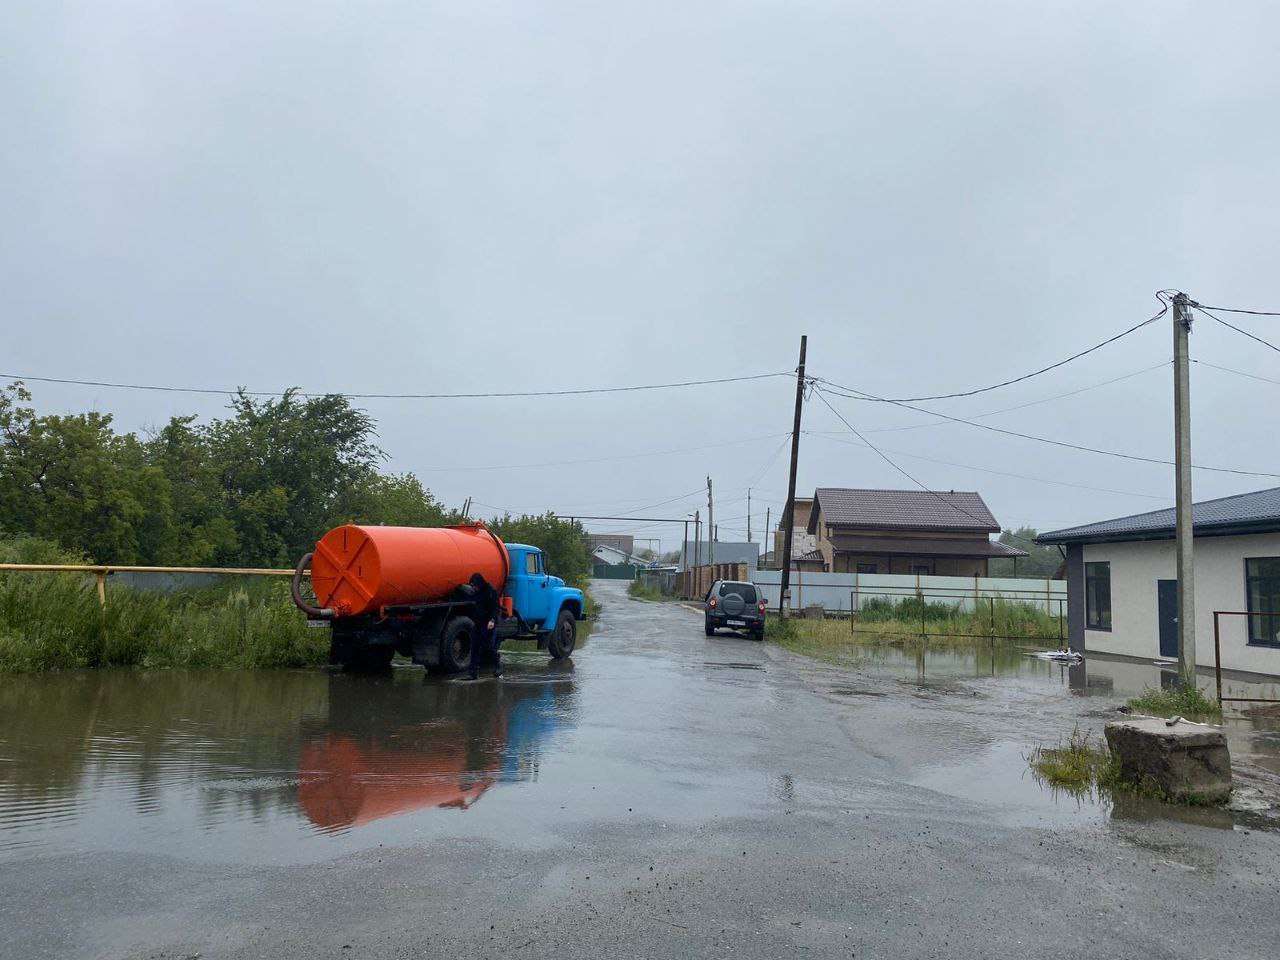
point(153, 760)
point(388, 747)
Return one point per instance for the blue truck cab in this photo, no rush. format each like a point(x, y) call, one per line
point(543, 606)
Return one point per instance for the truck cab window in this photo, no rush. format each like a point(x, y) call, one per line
point(531, 565)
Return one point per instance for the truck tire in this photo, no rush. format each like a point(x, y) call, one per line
point(456, 645)
point(561, 642)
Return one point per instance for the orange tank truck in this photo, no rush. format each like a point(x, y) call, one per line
point(410, 590)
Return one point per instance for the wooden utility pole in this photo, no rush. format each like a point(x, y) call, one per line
point(1182, 470)
point(711, 527)
point(789, 511)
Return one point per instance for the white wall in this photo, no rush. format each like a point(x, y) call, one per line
point(837, 591)
point(1219, 577)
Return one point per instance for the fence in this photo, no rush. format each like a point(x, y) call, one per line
point(102, 571)
point(844, 593)
point(693, 584)
point(1217, 655)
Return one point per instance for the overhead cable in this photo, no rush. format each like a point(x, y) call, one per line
point(395, 396)
point(1161, 296)
point(853, 394)
point(1232, 326)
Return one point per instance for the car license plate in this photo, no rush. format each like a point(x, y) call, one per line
point(737, 623)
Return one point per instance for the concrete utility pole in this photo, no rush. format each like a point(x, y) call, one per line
point(768, 533)
point(789, 512)
point(711, 527)
point(748, 514)
point(697, 551)
point(1182, 469)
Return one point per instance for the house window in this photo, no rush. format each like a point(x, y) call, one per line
point(867, 568)
point(1262, 592)
point(1097, 596)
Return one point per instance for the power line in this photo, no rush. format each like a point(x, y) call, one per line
point(1031, 403)
point(1251, 336)
point(853, 394)
point(624, 456)
point(1160, 296)
point(885, 457)
point(1256, 313)
point(1238, 373)
point(1002, 473)
point(392, 396)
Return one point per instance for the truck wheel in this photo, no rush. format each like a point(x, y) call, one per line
point(563, 637)
point(455, 645)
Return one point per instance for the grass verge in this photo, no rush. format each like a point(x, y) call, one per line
point(644, 590)
point(1186, 702)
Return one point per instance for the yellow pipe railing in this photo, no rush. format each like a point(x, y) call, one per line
point(102, 570)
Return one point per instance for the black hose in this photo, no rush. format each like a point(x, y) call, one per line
point(315, 613)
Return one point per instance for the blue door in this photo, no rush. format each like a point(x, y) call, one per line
point(529, 585)
point(1167, 601)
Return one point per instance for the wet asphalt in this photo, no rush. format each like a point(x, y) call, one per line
point(666, 795)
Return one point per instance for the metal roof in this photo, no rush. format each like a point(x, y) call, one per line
point(902, 509)
point(1257, 512)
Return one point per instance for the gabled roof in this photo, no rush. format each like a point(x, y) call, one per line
point(1257, 512)
point(902, 510)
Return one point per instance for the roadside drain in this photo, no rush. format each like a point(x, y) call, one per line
point(731, 665)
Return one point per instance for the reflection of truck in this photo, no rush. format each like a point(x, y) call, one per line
point(385, 590)
point(450, 744)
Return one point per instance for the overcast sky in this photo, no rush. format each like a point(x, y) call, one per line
point(424, 197)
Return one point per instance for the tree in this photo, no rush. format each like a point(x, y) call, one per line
point(73, 480)
point(563, 542)
point(1042, 561)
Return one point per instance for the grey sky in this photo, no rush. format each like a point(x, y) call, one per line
point(452, 197)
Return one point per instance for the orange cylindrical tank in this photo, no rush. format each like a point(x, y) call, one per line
point(358, 569)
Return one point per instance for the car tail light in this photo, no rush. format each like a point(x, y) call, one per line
point(712, 603)
point(760, 606)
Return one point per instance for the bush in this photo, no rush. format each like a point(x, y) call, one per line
point(1187, 702)
point(52, 621)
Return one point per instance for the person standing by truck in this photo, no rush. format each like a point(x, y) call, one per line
point(484, 644)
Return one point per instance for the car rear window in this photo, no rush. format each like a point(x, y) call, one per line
point(747, 591)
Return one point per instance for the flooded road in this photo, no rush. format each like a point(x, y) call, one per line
point(664, 794)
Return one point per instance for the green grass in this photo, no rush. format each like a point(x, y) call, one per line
point(1186, 702)
point(644, 590)
point(913, 615)
point(1075, 765)
point(53, 621)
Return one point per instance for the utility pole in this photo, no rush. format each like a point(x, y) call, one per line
point(768, 533)
point(711, 527)
point(697, 551)
point(789, 511)
point(748, 514)
point(1182, 469)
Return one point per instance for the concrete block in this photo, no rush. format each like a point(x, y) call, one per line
point(1187, 761)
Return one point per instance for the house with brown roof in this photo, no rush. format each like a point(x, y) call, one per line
point(933, 533)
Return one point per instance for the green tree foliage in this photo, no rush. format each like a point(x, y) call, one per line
point(255, 488)
point(562, 541)
point(1043, 561)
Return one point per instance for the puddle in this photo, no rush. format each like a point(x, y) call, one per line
point(141, 760)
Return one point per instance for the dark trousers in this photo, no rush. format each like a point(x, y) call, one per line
point(484, 649)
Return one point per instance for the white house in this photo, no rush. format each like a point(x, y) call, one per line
point(1122, 591)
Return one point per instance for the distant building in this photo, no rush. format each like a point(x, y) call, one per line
point(1122, 587)
point(803, 543)
point(905, 531)
point(624, 542)
point(725, 552)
